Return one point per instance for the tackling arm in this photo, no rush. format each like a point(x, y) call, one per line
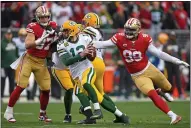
point(164, 56)
point(103, 44)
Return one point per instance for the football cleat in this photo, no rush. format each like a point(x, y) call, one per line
point(9, 117)
point(44, 117)
point(97, 114)
point(86, 121)
point(122, 119)
point(67, 119)
point(167, 96)
point(175, 120)
point(81, 110)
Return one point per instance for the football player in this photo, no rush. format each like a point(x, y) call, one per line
point(91, 24)
point(40, 35)
point(63, 77)
point(133, 44)
point(73, 53)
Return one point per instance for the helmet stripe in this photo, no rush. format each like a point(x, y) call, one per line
point(132, 21)
point(98, 21)
point(43, 9)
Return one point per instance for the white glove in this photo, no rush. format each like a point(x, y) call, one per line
point(180, 62)
point(50, 31)
point(40, 40)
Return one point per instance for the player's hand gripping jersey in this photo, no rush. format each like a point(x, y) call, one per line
point(41, 50)
point(74, 49)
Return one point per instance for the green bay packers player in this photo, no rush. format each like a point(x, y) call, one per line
point(91, 24)
point(63, 77)
point(73, 54)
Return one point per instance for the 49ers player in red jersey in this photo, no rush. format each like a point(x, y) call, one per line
point(133, 44)
point(40, 35)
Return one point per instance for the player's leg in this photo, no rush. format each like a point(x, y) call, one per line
point(65, 81)
point(145, 85)
point(99, 67)
point(88, 77)
point(42, 77)
point(84, 100)
point(160, 80)
point(22, 82)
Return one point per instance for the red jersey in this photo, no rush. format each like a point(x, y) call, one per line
point(42, 50)
point(133, 53)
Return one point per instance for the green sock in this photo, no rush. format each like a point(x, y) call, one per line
point(91, 92)
point(108, 106)
point(84, 100)
point(108, 99)
point(68, 101)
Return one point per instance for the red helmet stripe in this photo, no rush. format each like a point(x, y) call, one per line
point(43, 9)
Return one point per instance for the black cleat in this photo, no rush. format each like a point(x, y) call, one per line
point(81, 110)
point(67, 119)
point(86, 121)
point(122, 119)
point(97, 114)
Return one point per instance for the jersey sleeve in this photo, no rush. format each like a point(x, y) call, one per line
point(148, 39)
point(115, 38)
point(61, 49)
point(31, 27)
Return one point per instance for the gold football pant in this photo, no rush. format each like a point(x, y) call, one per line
point(36, 65)
point(150, 76)
point(89, 77)
point(63, 77)
point(99, 67)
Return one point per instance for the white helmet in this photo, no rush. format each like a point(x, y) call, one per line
point(132, 28)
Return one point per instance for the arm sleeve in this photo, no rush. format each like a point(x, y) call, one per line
point(103, 44)
point(68, 60)
point(162, 55)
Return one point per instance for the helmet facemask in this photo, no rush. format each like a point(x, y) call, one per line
point(132, 28)
point(131, 32)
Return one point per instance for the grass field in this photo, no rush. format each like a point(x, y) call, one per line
point(142, 114)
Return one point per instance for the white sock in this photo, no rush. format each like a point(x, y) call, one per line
point(86, 108)
point(42, 111)
point(118, 113)
point(96, 106)
point(171, 114)
point(9, 109)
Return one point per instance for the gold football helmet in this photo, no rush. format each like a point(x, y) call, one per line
point(91, 19)
point(163, 38)
point(70, 27)
point(132, 28)
point(80, 26)
point(22, 32)
point(42, 11)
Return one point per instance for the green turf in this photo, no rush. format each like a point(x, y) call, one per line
point(142, 114)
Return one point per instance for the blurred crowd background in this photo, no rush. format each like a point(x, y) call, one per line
point(167, 22)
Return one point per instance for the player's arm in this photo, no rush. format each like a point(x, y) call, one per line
point(103, 44)
point(30, 41)
point(164, 56)
point(67, 59)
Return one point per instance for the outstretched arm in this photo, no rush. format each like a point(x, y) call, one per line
point(164, 56)
point(103, 44)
